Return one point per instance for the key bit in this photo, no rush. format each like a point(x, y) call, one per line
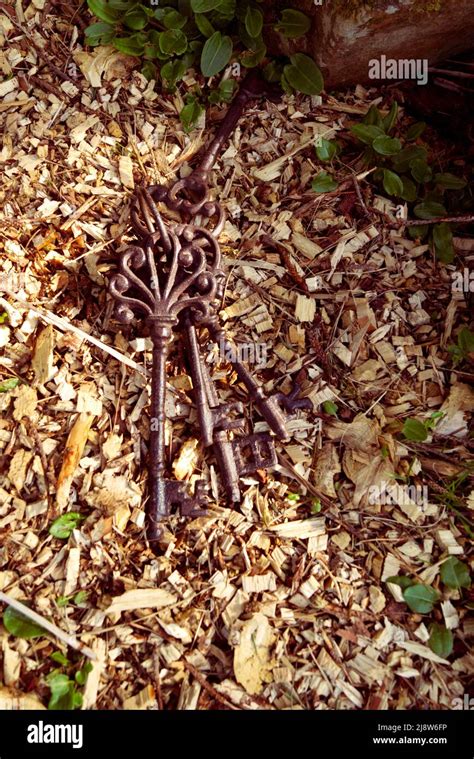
point(253, 452)
point(214, 420)
point(269, 407)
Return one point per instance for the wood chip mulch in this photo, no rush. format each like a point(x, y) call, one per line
point(283, 603)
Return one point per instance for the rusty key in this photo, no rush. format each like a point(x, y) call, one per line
point(245, 454)
point(171, 269)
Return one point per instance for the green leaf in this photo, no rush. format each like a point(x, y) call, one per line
point(63, 526)
point(216, 54)
point(316, 506)
point(392, 183)
point(401, 580)
point(387, 145)
point(401, 161)
point(466, 340)
point(252, 58)
point(149, 71)
point(173, 71)
point(9, 384)
point(224, 92)
point(415, 131)
point(326, 150)
point(293, 24)
point(20, 626)
point(272, 72)
point(59, 658)
point(429, 209)
point(80, 597)
point(204, 25)
point(414, 430)
point(121, 5)
point(419, 232)
point(373, 117)
point(99, 33)
point(81, 675)
point(173, 19)
point(421, 171)
point(226, 10)
point(303, 75)
point(443, 242)
point(367, 133)
point(62, 601)
point(420, 598)
point(134, 45)
point(330, 408)
point(455, 574)
point(204, 6)
point(450, 181)
point(391, 118)
point(190, 114)
point(409, 192)
point(136, 19)
point(253, 21)
point(173, 42)
point(440, 640)
point(323, 183)
point(62, 692)
point(103, 11)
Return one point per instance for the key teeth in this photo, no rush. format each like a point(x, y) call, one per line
point(291, 401)
point(196, 506)
point(262, 450)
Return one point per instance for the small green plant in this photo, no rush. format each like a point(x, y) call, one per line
point(324, 182)
point(455, 574)
point(329, 407)
point(78, 598)
point(453, 497)
point(18, 625)
point(9, 384)
point(421, 599)
point(205, 34)
point(417, 431)
point(64, 685)
point(403, 171)
point(316, 506)
point(464, 346)
point(63, 526)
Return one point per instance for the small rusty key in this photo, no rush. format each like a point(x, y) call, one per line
point(245, 454)
point(159, 286)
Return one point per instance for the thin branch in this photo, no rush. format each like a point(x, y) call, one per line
point(65, 326)
point(467, 219)
point(69, 640)
point(208, 687)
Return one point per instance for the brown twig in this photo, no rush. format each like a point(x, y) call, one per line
point(359, 196)
point(156, 671)
point(466, 219)
point(44, 465)
point(208, 687)
point(287, 260)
